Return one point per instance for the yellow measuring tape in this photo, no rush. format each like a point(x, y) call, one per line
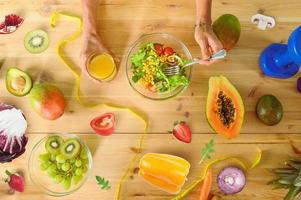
point(60, 52)
point(243, 164)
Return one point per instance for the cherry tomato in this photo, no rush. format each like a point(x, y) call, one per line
point(168, 51)
point(159, 49)
point(104, 125)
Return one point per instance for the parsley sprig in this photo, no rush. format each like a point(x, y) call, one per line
point(103, 183)
point(207, 151)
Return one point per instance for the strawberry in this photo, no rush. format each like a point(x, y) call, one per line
point(182, 132)
point(168, 51)
point(15, 182)
point(159, 49)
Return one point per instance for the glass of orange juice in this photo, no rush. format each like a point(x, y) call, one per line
point(101, 67)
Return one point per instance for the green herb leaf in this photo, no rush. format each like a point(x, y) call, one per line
point(207, 151)
point(103, 183)
point(137, 59)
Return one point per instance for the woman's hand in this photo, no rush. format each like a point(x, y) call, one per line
point(207, 41)
point(91, 44)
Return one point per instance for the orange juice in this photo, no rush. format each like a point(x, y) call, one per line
point(101, 67)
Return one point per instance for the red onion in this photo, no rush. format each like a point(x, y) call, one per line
point(231, 180)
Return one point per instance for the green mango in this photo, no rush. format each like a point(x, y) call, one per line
point(227, 29)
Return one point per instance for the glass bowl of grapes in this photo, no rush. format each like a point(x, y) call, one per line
point(59, 164)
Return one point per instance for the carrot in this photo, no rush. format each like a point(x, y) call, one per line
point(207, 183)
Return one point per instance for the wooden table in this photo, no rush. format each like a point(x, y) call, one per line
point(121, 22)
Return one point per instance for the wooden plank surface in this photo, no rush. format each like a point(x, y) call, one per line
point(121, 22)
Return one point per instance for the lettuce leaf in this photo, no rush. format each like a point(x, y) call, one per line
point(138, 58)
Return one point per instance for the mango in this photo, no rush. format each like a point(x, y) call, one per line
point(47, 100)
point(227, 29)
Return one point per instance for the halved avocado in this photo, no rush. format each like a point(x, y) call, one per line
point(18, 82)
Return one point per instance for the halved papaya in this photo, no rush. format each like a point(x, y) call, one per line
point(225, 108)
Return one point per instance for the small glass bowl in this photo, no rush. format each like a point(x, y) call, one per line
point(106, 79)
point(41, 178)
point(166, 40)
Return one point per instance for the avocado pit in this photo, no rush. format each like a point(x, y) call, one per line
point(18, 83)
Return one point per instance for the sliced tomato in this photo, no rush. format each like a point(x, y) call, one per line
point(168, 51)
point(159, 49)
point(151, 87)
point(182, 132)
point(104, 124)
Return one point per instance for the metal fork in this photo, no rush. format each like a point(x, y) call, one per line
point(175, 70)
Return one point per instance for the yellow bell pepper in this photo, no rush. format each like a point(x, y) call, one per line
point(167, 172)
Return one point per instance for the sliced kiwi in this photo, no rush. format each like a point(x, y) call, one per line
point(36, 41)
point(71, 148)
point(53, 144)
point(18, 82)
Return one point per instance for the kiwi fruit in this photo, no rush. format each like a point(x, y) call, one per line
point(18, 82)
point(53, 144)
point(36, 41)
point(71, 148)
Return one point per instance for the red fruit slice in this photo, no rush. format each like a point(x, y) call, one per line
point(10, 24)
point(2, 25)
point(168, 51)
point(151, 87)
point(182, 132)
point(104, 125)
point(159, 49)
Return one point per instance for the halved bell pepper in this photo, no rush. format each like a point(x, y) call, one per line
point(164, 171)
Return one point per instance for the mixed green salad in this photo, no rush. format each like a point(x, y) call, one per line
point(147, 65)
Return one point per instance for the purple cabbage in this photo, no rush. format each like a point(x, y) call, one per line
point(13, 126)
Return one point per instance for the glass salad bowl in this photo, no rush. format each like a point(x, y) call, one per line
point(60, 164)
point(146, 59)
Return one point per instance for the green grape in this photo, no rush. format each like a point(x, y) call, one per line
point(78, 163)
point(60, 158)
point(47, 163)
point(76, 179)
point(72, 161)
point(67, 183)
point(53, 158)
point(83, 154)
point(52, 167)
point(44, 157)
point(58, 178)
point(51, 173)
point(85, 169)
point(52, 170)
point(66, 167)
point(59, 165)
point(44, 166)
point(78, 171)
